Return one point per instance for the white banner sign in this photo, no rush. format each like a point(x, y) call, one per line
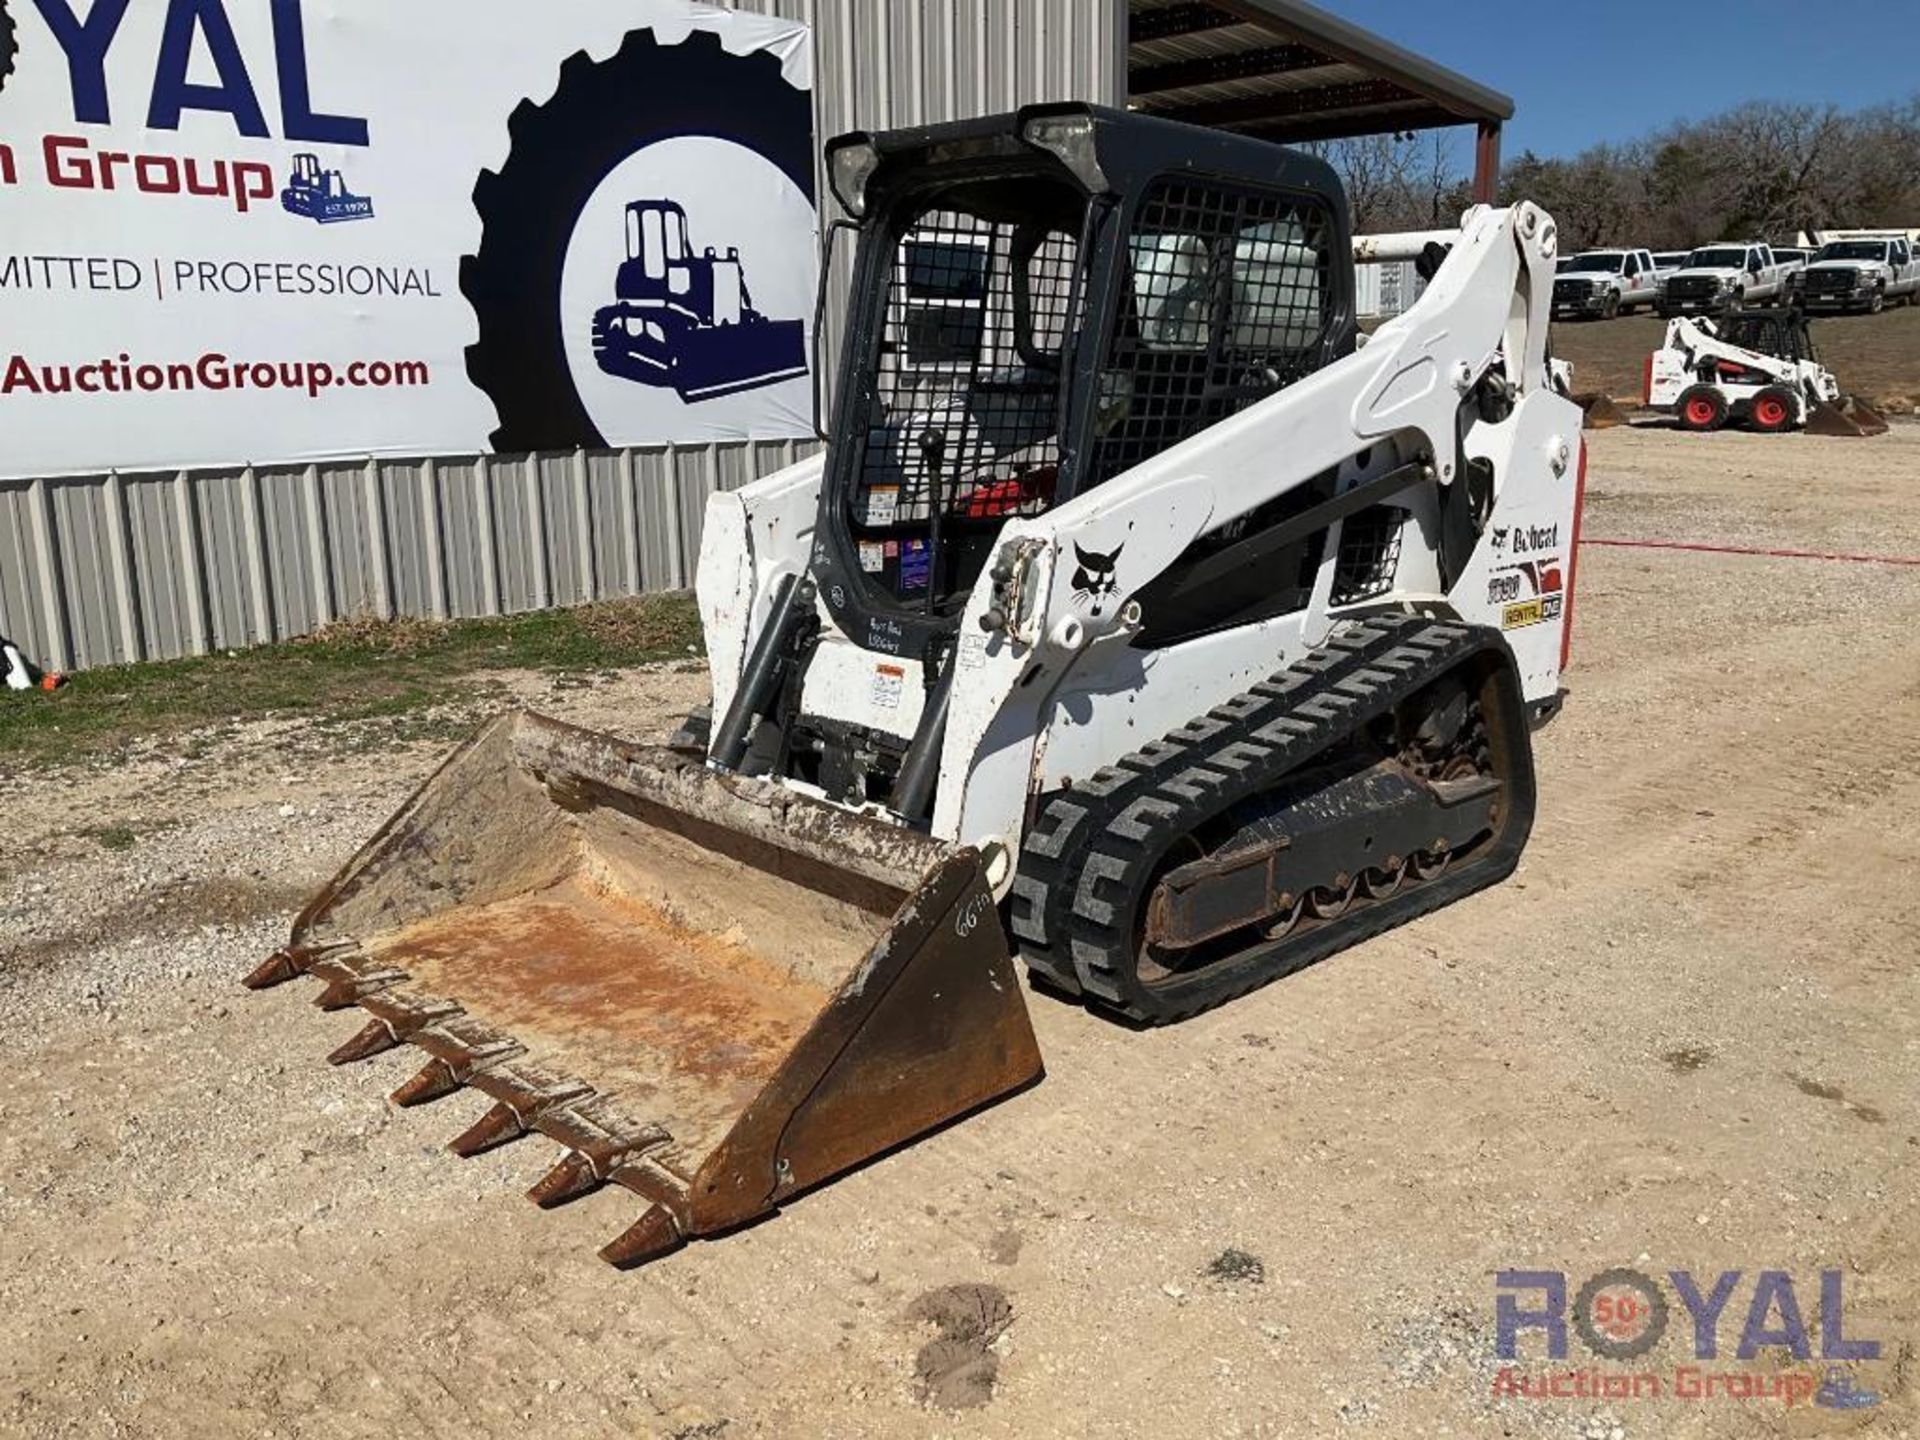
point(283, 230)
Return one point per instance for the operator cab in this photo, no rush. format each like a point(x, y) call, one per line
point(1043, 301)
point(1782, 334)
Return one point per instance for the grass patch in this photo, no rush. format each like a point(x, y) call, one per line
point(355, 671)
point(115, 837)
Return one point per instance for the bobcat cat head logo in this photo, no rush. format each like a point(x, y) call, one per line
point(1093, 578)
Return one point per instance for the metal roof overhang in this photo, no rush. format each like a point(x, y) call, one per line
point(1288, 71)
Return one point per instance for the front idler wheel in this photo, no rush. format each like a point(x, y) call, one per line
point(1154, 961)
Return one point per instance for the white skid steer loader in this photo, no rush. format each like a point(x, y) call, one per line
point(1757, 368)
point(1138, 621)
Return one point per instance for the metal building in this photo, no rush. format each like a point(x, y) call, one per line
point(105, 569)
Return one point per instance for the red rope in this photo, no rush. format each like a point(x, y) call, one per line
point(1753, 550)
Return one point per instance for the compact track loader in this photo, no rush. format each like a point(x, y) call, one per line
point(1139, 621)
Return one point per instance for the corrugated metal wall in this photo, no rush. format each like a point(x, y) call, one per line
point(106, 569)
point(100, 570)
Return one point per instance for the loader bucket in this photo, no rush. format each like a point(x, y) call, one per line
point(711, 992)
point(1851, 416)
point(1599, 411)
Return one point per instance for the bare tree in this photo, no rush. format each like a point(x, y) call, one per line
point(1400, 181)
point(1376, 171)
point(1764, 169)
point(1439, 178)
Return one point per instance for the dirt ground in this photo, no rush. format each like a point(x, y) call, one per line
point(1685, 1037)
point(1877, 356)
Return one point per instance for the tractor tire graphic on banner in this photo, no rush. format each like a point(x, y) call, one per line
point(669, 315)
point(9, 47)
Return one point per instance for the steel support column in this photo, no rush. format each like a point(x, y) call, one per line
point(1486, 164)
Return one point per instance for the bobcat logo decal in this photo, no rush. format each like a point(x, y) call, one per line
point(1093, 582)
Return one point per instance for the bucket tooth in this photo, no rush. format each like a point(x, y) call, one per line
point(284, 964)
point(467, 1044)
point(435, 1080)
point(349, 979)
point(346, 993)
point(276, 969)
point(398, 1016)
point(462, 1048)
point(598, 1140)
point(573, 1177)
point(499, 1125)
point(376, 1037)
point(654, 1234)
point(600, 1137)
point(521, 1094)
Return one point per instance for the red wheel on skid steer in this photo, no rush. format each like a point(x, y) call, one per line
point(1702, 408)
point(1772, 410)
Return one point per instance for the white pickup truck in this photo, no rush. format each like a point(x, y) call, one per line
point(1602, 284)
point(1860, 274)
point(1720, 278)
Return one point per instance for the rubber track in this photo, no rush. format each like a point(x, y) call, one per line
point(1091, 850)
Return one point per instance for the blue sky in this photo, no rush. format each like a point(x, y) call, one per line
point(1582, 71)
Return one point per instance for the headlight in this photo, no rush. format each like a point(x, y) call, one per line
point(851, 161)
point(1069, 137)
point(1723, 282)
point(1596, 286)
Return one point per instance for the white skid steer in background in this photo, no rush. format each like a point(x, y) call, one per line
point(1138, 621)
point(1757, 369)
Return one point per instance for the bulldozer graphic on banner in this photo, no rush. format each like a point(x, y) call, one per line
point(686, 321)
point(322, 195)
